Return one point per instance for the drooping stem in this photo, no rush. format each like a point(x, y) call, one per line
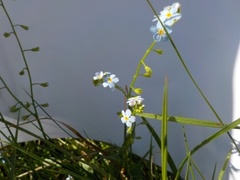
point(35, 114)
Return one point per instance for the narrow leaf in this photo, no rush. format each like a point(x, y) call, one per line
point(214, 171)
point(184, 120)
point(216, 135)
point(158, 140)
point(164, 151)
point(220, 176)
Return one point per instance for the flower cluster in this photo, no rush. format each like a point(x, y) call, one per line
point(134, 103)
point(168, 17)
point(106, 79)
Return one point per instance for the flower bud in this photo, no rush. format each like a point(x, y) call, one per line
point(177, 6)
point(148, 71)
point(6, 34)
point(138, 90)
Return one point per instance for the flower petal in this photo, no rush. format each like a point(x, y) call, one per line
point(128, 112)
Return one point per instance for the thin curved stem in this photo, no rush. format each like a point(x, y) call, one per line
point(23, 55)
point(35, 114)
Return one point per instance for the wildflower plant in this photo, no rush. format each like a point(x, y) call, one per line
point(161, 30)
point(169, 16)
point(88, 159)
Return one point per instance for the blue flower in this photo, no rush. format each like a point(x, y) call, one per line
point(170, 14)
point(159, 34)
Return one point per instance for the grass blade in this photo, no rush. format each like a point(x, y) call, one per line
point(214, 171)
point(208, 140)
point(185, 120)
point(158, 141)
point(220, 176)
point(164, 151)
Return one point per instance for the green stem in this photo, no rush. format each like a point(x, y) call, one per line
point(191, 77)
point(26, 67)
point(208, 140)
point(164, 150)
point(140, 65)
point(21, 49)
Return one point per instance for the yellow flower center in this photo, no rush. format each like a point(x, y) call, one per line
point(168, 15)
point(109, 80)
point(161, 31)
point(126, 118)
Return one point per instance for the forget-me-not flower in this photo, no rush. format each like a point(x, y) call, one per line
point(168, 17)
point(127, 118)
point(170, 14)
point(98, 75)
point(110, 81)
point(159, 34)
point(134, 100)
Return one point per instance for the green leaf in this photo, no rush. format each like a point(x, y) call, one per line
point(216, 135)
point(220, 176)
point(158, 140)
point(184, 120)
point(214, 171)
point(164, 151)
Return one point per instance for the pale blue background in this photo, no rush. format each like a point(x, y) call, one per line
point(79, 38)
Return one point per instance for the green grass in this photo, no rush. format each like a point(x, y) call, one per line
point(81, 158)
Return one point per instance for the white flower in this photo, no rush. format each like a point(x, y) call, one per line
point(98, 75)
point(110, 81)
point(170, 14)
point(69, 177)
point(134, 100)
point(127, 117)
